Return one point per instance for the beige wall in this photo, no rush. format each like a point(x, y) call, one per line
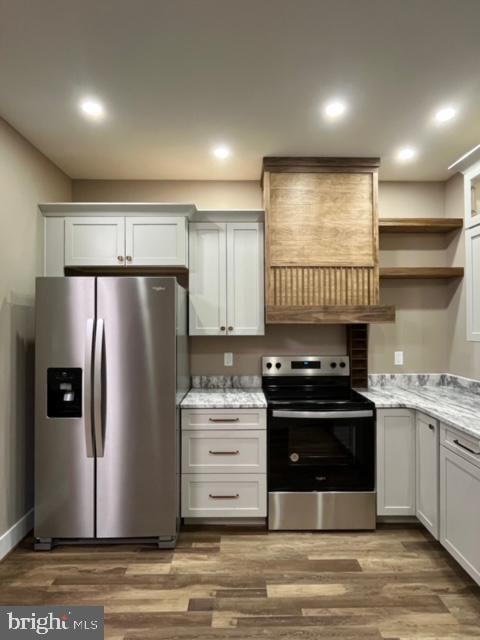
point(206, 194)
point(26, 178)
point(422, 307)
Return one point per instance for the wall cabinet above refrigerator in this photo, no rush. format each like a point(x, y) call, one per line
point(226, 279)
point(115, 235)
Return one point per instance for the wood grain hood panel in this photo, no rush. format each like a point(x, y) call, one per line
point(322, 240)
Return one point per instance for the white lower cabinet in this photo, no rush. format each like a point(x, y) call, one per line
point(427, 472)
point(224, 463)
point(395, 462)
point(460, 509)
point(224, 495)
point(224, 451)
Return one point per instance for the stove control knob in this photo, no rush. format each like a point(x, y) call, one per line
point(269, 365)
point(342, 365)
point(278, 365)
point(333, 365)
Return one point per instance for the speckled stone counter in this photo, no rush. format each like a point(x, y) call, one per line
point(224, 399)
point(453, 400)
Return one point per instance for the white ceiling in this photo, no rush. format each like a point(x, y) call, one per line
point(179, 76)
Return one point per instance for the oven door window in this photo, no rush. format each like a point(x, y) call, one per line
point(321, 455)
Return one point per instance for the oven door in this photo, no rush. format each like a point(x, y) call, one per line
point(321, 451)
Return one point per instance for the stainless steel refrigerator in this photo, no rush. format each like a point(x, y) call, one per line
point(111, 368)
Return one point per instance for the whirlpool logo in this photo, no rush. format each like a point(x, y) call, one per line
point(57, 622)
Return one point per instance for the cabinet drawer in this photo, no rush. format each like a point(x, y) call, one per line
point(224, 451)
point(466, 446)
point(223, 419)
point(224, 495)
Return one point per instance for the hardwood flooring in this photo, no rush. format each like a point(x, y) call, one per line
point(393, 584)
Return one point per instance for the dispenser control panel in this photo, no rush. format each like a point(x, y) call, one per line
point(64, 392)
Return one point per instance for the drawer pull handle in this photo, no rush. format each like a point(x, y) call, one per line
point(224, 419)
point(224, 453)
point(463, 446)
point(211, 495)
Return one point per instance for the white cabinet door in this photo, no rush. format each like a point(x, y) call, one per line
point(395, 462)
point(94, 241)
point(472, 273)
point(207, 279)
point(156, 241)
point(245, 308)
point(427, 478)
point(460, 511)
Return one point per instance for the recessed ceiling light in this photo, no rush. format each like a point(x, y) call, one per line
point(222, 152)
point(92, 108)
point(334, 109)
point(445, 114)
point(406, 153)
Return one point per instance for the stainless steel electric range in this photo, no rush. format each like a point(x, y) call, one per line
point(321, 445)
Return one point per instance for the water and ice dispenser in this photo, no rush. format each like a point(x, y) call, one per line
point(64, 393)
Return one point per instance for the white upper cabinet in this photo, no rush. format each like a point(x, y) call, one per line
point(427, 477)
point(395, 462)
point(94, 241)
point(245, 315)
point(472, 272)
point(207, 279)
point(156, 241)
point(115, 234)
point(226, 278)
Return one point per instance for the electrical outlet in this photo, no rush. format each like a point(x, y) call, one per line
point(399, 358)
point(228, 359)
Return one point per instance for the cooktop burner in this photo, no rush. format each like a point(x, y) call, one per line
point(310, 383)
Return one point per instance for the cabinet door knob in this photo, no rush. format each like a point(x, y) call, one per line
point(129, 258)
point(120, 258)
point(431, 427)
point(230, 328)
point(222, 328)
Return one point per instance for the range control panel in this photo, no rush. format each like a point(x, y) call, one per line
point(305, 366)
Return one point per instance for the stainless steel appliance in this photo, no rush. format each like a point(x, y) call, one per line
point(321, 445)
point(111, 369)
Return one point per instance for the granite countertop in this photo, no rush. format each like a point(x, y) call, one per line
point(453, 404)
point(229, 398)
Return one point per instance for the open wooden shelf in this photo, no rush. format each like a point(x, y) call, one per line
point(421, 272)
point(419, 225)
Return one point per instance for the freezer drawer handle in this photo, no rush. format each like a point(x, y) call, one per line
point(236, 495)
point(87, 396)
point(224, 453)
point(463, 446)
point(97, 390)
point(224, 419)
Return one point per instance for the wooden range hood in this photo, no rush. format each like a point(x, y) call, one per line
point(322, 241)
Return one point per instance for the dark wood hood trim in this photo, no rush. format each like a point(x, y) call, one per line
point(329, 314)
point(302, 164)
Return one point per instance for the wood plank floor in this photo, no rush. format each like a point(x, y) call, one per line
point(396, 583)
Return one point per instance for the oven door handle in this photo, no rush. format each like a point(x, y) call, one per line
point(322, 415)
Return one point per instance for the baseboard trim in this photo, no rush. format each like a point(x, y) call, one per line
point(15, 534)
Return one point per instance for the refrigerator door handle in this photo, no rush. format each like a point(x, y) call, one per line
point(97, 389)
point(87, 396)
